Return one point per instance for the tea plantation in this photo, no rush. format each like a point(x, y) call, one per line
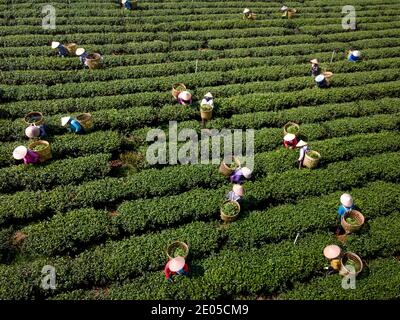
point(102, 216)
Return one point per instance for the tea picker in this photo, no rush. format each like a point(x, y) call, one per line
point(315, 70)
point(290, 141)
point(29, 156)
point(129, 4)
point(176, 266)
point(332, 253)
point(346, 204)
point(206, 108)
point(236, 193)
point(248, 14)
point(34, 131)
point(354, 55)
point(304, 148)
point(185, 98)
point(62, 51)
point(82, 54)
point(73, 125)
point(240, 175)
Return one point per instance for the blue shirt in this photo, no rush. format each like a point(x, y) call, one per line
point(62, 51)
point(128, 5)
point(342, 210)
point(233, 196)
point(83, 56)
point(75, 126)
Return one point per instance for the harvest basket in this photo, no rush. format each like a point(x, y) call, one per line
point(34, 117)
point(311, 159)
point(291, 13)
point(93, 61)
point(350, 258)
point(328, 76)
point(134, 4)
point(291, 124)
point(45, 152)
point(353, 214)
point(85, 119)
point(227, 170)
point(177, 245)
point(71, 47)
point(206, 113)
point(175, 91)
point(229, 218)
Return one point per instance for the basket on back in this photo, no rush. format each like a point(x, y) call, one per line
point(35, 118)
point(85, 119)
point(355, 216)
point(71, 47)
point(183, 247)
point(311, 159)
point(177, 88)
point(42, 148)
point(94, 61)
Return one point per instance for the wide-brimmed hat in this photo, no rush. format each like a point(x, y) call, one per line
point(177, 264)
point(20, 152)
point(246, 172)
point(301, 143)
point(314, 61)
point(55, 44)
point(79, 51)
point(238, 190)
point(32, 131)
point(346, 200)
point(289, 137)
point(284, 8)
point(208, 95)
point(65, 120)
point(123, 1)
point(319, 78)
point(332, 251)
point(185, 95)
point(356, 53)
point(246, 10)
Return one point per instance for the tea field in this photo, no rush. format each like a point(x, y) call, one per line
point(102, 216)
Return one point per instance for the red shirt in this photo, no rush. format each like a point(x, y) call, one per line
point(169, 273)
point(292, 143)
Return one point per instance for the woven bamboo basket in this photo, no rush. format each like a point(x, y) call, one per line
point(206, 114)
point(310, 162)
point(355, 215)
point(291, 13)
point(86, 120)
point(226, 170)
point(71, 47)
point(344, 271)
point(175, 92)
point(45, 153)
point(228, 218)
point(174, 245)
point(35, 118)
point(93, 61)
point(328, 76)
point(291, 124)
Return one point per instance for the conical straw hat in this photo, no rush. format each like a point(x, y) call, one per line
point(177, 264)
point(20, 152)
point(332, 251)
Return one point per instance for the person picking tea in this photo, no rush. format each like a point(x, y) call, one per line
point(185, 98)
point(176, 266)
point(236, 193)
point(72, 124)
point(290, 141)
point(29, 156)
point(315, 70)
point(303, 150)
point(82, 54)
point(208, 100)
point(240, 175)
point(346, 205)
point(62, 51)
point(34, 131)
